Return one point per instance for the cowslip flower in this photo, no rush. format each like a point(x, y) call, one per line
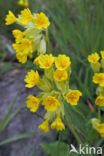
point(100, 129)
point(21, 57)
point(32, 103)
point(102, 54)
point(23, 3)
point(10, 18)
point(73, 97)
point(60, 75)
point(100, 101)
point(41, 21)
point(44, 126)
point(18, 35)
point(58, 124)
point(32, 79)
point(93, 58)
point(44, 61)
point(98, 78)
point(51, 103)
point(25, 16)
point(62, 62)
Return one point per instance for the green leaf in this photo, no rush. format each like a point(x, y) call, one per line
point(18, 137)
point(56, 149)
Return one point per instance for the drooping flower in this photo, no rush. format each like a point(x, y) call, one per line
point(100, 101)
point(41, 21)
point(26, 16)
point(32, 79)
point(21, 57)
point(73, 97)
point(101, 129)
point(44, 126)
point(93, 58)
point(32, 103)
point(44, 61)
point(23, 3)
point(98, 78)
point(18, 35)
point(10, 18)
point(102, 54)
point(24, 46)
point(60, 75)
point(62, 62)
point(51, 103)
point(58, 124)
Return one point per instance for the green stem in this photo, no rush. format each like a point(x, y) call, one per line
point(74, 132)
point(99, 114)
point(47, 40)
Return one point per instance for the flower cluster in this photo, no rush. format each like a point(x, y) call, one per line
point(97, 65)
point(24, 3)
point(55, 89)
point(34, 36)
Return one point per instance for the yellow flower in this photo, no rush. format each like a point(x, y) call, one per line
point(24, 46)
point(41, 21)
point(51, 103)
point(44, 61)
point(10, 18)
point(73, 97)
point(23, 3)
point(62, 62)
point(21, 57)
point(18, 35)
point(102, 54)
point(58, 124)
point(32, 103)
point(98, 78)
point(32, 79)
point(93, 58)
point(100, 101)
point(60, 75)
point(101, 129)
point(44, 126)
point(26, 16)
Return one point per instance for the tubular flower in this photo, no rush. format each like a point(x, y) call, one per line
point(102, 54)
point(18, 35)
point(23, 3)
point(10, 18)
point(26, 16)
point(32, 79)
point(62, 62)
point(60, 75)
point(100, 101)
point(58, 124)
point(51, 103)
point(93, 58)
point(73, 97)
point(24, 46)
point(44, 126)
point(21, 57)
point(101, 129)
point(98, 78)
point(32, 103)
point(45, 61)
point(41, 21)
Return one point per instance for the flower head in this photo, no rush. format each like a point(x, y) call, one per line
point(44, 126)
point(32, 103)
point(51, 103)
point(102, 54)
point(32, 79)
point(98, 78)
point(93, 58)
point(62, 62)
point(26, 16)
point(21, 57)
point(10, 18)
point(18, 35)
point(44, 61)
point(24, 46)
point(73, 97)
point(100, 101)
point(58, 124)
point(101, 129)
point(41, 21)
point(60, 75)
